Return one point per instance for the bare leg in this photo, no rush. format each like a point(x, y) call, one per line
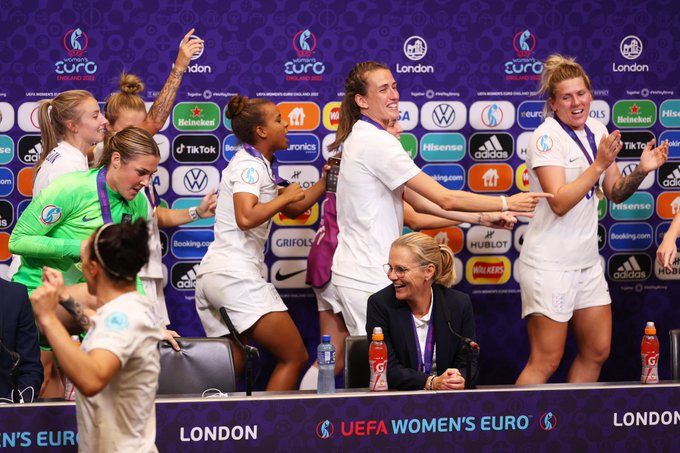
point(52, 386)
point(592, 329)
point(277, 333)
point(547, 339)
point(334, 325)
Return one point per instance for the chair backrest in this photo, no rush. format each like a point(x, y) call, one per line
point(674, 335)
point(202, 364)
point(357, 371)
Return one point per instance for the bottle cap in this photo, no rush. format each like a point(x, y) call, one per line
point(377, 334)
point(325, 338)
point(650, 329)
point(75, 338)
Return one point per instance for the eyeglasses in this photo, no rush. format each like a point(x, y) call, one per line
point(399, 271)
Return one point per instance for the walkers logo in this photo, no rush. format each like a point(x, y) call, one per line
point(599, 110)
point(305, 67)
point(191, 244)
point(6, 116)
point(638, 113)
point(451, 176)
point(197, 68)
point(304, 175)
point(522, 145)
point(289, 274)
point(668, 205)
point(499, 115)
point(331, 116)
point(292, 242)
point(410, 144)
point(438, 116)
point(530, 114)
point(634, 143)
point(196, 116)
point(548, 421)
point(6, 149)
point(307, 218)
point(490, 177)
point(27, 117)
point(301, 148)
point(452, 237)
point(488, 270)
point(669, 113)
point(6, 214)
point(486, 147)
point(626, 168)
point(442, 147)
point(50, 214)
point(325, 429)
point(196, 148)
point(624, 267)
point(187, 180)
point(523, 67)
point(673, 138)
point(631, 49)
point(601, 236)
point(300, 116)
point(639, 206)
point(183, 276)
point(630, 236)
point(6, 181)
point(408, 115)
point(487, 241)
point(186, 203)
point(76, 67)
point(668, 176)
point(522, 178)
point(415, 49)
point(664, 274)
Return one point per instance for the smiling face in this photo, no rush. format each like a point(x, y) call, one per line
point(571, 102)
point(128, 178)
point(273, 129)
point(381, 101)
point(412, 279)
point(90, 127)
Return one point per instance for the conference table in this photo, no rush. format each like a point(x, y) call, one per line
point(603, 417)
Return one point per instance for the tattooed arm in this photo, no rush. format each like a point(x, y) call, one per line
point(77, 311)
point(160, 110)
point(650, 160)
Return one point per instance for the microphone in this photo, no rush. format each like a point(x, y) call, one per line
point(468, 345)
point(14, 372)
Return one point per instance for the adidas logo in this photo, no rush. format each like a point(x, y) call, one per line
point(630, 270)
point(188, 279)
point(491, 148)
point(32, 154)
point(673, 179)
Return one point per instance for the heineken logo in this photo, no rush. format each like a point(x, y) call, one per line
point(196, 116)
point(634, 113)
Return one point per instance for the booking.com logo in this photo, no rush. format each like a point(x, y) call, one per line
point(548, 421)
point(325, 429)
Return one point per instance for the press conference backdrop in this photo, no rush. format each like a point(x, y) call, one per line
point(467, 75)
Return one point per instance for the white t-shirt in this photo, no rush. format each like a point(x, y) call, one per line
point(63, 159)
point(370, 208)
point(568, 242)
point(122, 417)
point(236, 251)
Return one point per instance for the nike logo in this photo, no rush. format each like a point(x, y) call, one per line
point(87, 219)
point(281, 277)
point(573, 159)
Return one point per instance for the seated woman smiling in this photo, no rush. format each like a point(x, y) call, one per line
point(423, 319)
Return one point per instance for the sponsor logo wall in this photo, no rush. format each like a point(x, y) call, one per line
point(467, 83)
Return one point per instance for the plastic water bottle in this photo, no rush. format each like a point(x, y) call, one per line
point(377, 358)
point(69, 388)
point(650, 355)
point(325, 354)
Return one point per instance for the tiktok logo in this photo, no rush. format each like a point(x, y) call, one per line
point(325, 429)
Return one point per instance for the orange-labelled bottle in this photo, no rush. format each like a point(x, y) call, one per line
point(377, 358)
point(650, 355)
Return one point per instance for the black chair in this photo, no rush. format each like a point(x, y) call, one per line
point(202, 364)
point(357, 370)
point(674, 335)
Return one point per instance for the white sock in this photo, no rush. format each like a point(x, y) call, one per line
point(309, 380)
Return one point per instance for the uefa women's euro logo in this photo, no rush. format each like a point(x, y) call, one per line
point(75, 42)
point(324, 429)
point(548, 421)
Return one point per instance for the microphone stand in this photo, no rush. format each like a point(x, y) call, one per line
point(469, 346)
point(249, 351)
point(14, 372)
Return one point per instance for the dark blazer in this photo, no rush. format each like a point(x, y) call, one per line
point(18, 333)
point(394, 316)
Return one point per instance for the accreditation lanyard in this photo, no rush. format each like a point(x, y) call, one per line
point(589, 134)
point(278, 180)
point(370, 121)
point(155, 200)
point(104, 202)
point(429, 343)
